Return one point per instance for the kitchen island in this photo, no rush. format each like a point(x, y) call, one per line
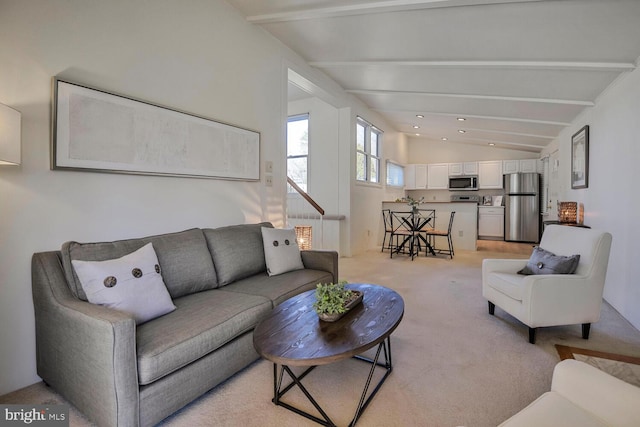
point(465, 224)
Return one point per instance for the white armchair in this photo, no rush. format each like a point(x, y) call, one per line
point(552, 299)
point(581, 396)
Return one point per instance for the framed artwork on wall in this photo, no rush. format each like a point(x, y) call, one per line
point(580, 159)
point(99, 131)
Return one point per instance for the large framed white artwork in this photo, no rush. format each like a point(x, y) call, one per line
point(98, 131)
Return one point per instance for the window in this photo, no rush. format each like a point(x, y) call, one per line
point(395, 174)
point(368, 140)
point(298, 150)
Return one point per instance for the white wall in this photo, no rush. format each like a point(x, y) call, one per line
point(201, 57)
point(611, 202)
point(366, 199)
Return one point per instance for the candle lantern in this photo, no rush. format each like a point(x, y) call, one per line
point(568, 212)
point(303, 235)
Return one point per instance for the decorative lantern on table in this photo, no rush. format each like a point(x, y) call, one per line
point(568, 212)
point(303, 236)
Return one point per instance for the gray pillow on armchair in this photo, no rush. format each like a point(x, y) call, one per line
point(545, 262)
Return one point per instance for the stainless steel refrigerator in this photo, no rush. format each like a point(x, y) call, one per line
point(522, 207)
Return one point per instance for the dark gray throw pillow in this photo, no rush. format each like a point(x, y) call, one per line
point(545, 262)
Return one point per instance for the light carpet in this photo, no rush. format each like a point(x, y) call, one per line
point(454, 364)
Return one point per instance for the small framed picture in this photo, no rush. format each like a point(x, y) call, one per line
point(580, 159)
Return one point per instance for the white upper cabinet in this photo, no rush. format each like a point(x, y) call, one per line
point(455, 169)
point(528, 165)
point(510, 166)
point(490, 174)
point(515, 166)
point(466, 168)
point(470, 168)
point(438, 176)
point(415, 177)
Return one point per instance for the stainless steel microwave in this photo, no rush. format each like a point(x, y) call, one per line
point(462, 183)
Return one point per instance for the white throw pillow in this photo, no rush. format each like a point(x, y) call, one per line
point(281, 251)
point(132, 284)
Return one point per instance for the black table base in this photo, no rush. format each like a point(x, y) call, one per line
point(279, 390)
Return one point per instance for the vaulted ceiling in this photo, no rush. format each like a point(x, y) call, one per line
point(517, 71)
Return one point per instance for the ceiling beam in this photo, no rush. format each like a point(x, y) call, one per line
point(476, 140)
point(469, 96)
point(503, 132)
point(369, 8)
point(476, 116)
point(503, 65)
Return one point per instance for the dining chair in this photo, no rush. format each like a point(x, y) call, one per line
point(402, 230)
point(388, 230)
point(432, 233)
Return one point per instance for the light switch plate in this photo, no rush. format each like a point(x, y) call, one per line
point(268, 166)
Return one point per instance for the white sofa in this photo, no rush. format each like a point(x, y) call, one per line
point(582, 396)
point(552, 299)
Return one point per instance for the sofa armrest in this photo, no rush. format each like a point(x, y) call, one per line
point(321, 260)
point(607, 397)
point(84, 351)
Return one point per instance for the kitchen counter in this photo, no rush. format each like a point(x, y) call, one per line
point(465, 223)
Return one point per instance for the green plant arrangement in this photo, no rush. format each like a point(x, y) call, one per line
point(333, 300)
point(413, 203)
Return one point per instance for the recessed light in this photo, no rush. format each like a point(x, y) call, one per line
point(462, 131)
point(444, 139)
point(417, 134)
point(492, 144)
point(461, 119)
point(416, 127)
point(420, 116)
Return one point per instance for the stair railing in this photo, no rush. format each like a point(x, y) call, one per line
point(301, 212)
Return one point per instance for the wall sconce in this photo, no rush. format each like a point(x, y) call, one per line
point(9, 136)
point(568, 212)
point(303, 236)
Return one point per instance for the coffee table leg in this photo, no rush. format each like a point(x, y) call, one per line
point(278, 391)
point(297, 381)
point(362, 405)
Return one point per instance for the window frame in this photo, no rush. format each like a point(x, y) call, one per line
point(368, 153)
point(402, 175)
point(294, 118)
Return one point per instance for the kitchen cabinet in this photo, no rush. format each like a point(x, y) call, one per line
point(490, 174)
point(523, 165)
point(466, 168)
point(491, 222)
point(415, 177)
point(528, 165)
point(438, 176)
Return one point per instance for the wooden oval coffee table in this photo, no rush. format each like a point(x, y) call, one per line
point(293, 335)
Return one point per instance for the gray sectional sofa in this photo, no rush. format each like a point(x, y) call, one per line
point(122, 374)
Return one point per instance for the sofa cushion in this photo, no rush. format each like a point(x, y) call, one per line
point(132, 283)
point(237, 251)
point(202, 323)
point(552, 409)
point(545, 262)
point(507, 283)
point(281, 251)
point(184, 258)
point(282, 287)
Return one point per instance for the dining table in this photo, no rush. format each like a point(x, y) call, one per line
point(411, 226)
